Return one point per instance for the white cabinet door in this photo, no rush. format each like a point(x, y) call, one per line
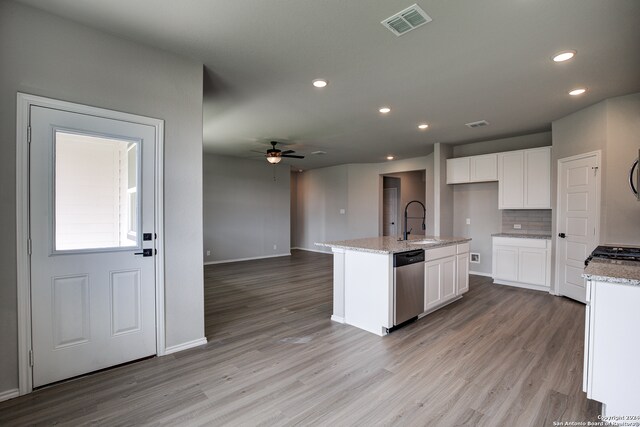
point(532, 266)
point(439, 281)
point(458, 170)
point(463, 273)
point(432, 284)
point(537, 179)
point(484, 168)
point(510, 180)
point(449, 284)
point(505, 263)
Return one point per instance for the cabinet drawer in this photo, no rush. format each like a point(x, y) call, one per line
point(437, 253)
point(463, 248)
point(521, 242)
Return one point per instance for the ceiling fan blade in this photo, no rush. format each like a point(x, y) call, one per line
point(288, 152)
point(292, 157)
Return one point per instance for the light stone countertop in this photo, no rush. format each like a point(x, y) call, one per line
point(623, 272)
point(523, 236)
point(391, 244)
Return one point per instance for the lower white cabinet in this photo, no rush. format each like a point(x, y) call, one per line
point(446, 275)
point(462, 262)
point(611, 369)
point(439, 281)
point(522, 262)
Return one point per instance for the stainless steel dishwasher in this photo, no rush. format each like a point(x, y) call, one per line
point(408, 285)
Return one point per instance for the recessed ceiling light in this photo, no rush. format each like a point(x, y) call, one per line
point(423, 126)
point(390, 157)
point(384, 110)
point(320, 83)
point(578, 91)
point(564, 55)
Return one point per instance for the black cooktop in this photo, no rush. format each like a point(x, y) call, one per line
point(625, 253)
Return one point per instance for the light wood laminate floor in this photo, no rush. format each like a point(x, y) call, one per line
point(501, 356)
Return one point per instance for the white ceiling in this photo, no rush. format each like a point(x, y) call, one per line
point(477, 60)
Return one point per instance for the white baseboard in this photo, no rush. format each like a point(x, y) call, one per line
point(521, 285)
point(337, 319)
point(9, 394)
point(479, 273)
point(320, 251)
point(224, 261)
point(185, 346)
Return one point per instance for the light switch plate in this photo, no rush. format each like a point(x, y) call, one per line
point(343, 211)
point(468, 221)
point(517, 226)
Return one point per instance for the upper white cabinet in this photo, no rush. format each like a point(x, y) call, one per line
point(484, 168)
point(472, 169)
point(458, 170)
point(524, 179)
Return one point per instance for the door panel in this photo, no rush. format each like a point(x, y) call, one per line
point(577, 218)
point(91, 191)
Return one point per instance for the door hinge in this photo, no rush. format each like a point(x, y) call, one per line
point(29, 135)
point(29, 246)
point(31, 358)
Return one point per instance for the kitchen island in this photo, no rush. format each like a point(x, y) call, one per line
point(363, 277)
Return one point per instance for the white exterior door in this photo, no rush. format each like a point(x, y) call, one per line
point(578, 217)
point(91, 199)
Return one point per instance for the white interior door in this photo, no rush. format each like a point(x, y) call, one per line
point(91, 199)
point(577, 221)
point(390, 212)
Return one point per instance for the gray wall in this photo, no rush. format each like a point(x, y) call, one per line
point(611, 126)
point(443, 192)
point(50, 56)
point(357, 188)
point(246, 211)
point(534, 140)
point(479, 201)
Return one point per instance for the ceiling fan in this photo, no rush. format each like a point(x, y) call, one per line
point(274, 155)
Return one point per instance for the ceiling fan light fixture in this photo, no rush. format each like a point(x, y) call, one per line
point(274, 159)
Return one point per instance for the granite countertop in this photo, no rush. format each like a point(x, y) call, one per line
point(523, 236)
point(623, 272)
point(391, 244)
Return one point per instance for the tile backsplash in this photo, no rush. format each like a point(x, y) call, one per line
point(533, 221)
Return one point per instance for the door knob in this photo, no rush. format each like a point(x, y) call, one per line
point(145, 252)
point(562, 235)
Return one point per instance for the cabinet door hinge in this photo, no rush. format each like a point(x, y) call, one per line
point(29, 246)
point(29, 135)
point(30, 357)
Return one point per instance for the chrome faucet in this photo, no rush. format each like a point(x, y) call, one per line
point(424, 217)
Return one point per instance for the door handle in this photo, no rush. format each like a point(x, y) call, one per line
point(562, 235)
point(393, 223)
point(145, 252)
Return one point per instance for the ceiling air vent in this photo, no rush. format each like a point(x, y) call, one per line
point(407, 20)
point(478, 124)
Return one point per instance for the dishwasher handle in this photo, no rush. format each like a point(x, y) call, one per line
point(407, 258)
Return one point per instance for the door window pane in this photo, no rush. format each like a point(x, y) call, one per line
point(96, 192)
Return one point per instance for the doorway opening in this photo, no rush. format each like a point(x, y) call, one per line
point(398, 189)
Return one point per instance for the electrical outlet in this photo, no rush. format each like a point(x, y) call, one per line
point(343, 211)
point(517, 226)
point(468, 221)
point(275, 247)
point(208, 253)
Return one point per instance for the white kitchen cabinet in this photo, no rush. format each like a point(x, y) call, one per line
point(611, 372)
point(483, 168)
point(446, 275)
point(522, 262)
point(462, 262)
point(458, 170)
point(440, 282)
point(524, 179)
point(464, 170)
